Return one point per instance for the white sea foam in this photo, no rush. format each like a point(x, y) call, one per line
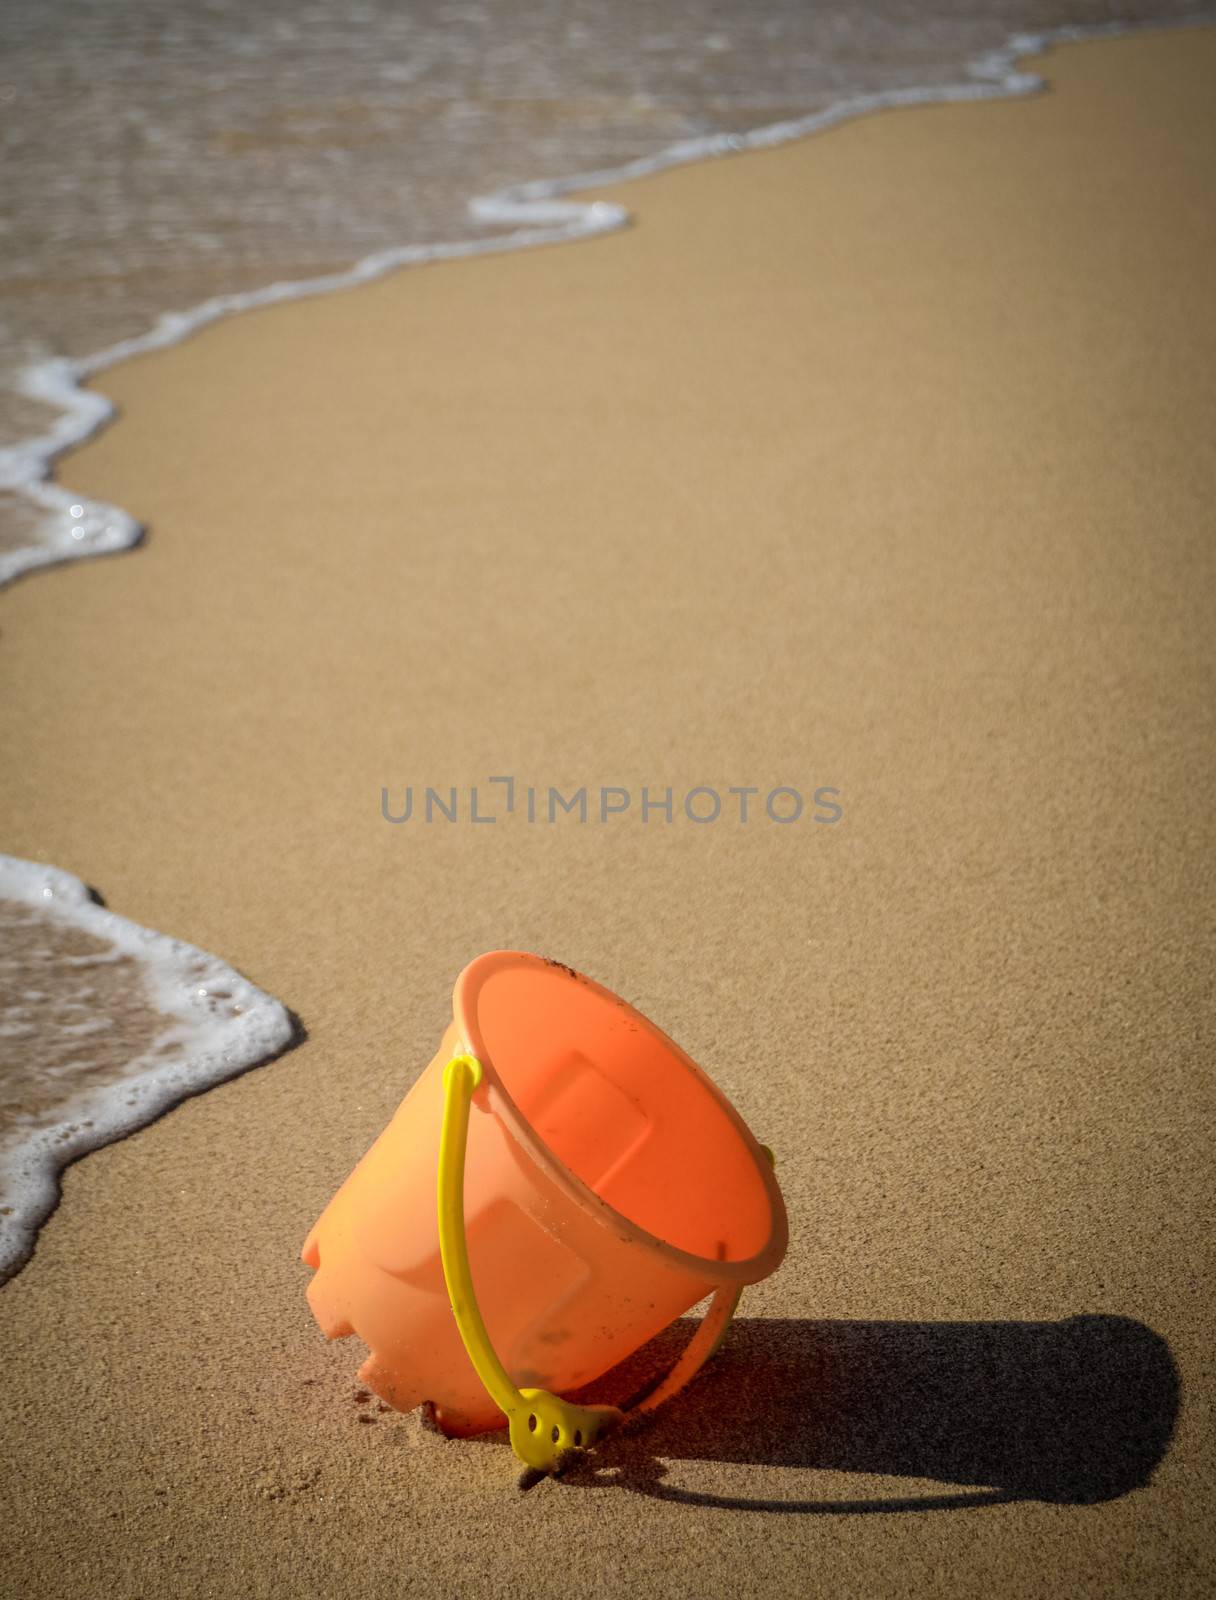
point(536, 213)
point(201, 1022)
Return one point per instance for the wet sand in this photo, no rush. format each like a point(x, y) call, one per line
point(882, 461)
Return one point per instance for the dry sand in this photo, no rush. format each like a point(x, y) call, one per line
point(884, 460)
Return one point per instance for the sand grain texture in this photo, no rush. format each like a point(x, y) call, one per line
point(884, 460)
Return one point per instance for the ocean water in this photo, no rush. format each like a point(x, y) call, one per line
point(166, 163)
point(103, 1026)
point(160, 154)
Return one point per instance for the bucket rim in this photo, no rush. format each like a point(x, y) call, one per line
point(465, 1014)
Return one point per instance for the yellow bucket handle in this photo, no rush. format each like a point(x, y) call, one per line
point(543, 1427)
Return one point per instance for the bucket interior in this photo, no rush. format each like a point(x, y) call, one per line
point(618, 1106)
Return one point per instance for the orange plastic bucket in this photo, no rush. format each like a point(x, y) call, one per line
point(609, 1186)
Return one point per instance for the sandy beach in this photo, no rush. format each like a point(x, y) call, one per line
point(879, 462)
